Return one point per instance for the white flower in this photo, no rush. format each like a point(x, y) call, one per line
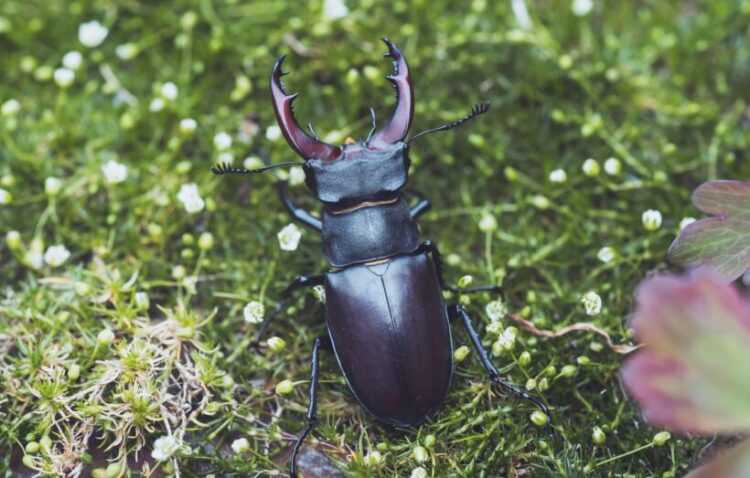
point(34, 259)
point(105, 336)
point(590, 167)
point(335, 9)
point(521, 13)
point(252, 162)
point(612, 166)
point(165, 447)
point(253, 312)
point(289, 237)
point(296, 176)
point(114, 172)
point(505, 341)
point(126, 51)
point(592, 303)
point(64, 77)
point(496, 310)
point(686, 221)
point(558, 176)
point(56, 255)
point(418, 472)
point(52, 186)
point(222, 141)
point(606, 254)
point(225, 157)
point(169, 91)
point(487, 223)
point(582, 7)
point(5, 197)
point(156, 105)
point(188, 125)
point(190, 197)
point(240, 445)
point(651, 219)
point(10, 107)
point(142, 300)
point(92, 34)
point(72, 60)
point(13, 239)
point(273, 133)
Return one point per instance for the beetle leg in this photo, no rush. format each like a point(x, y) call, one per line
point(302, 215)
point(298, 283)
point(432, 248)
point(312, 406)
point(421, 207)
point(458, 311)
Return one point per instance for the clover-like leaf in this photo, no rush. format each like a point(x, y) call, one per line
point(693, 374)
point(733, 463)
point(722, 241)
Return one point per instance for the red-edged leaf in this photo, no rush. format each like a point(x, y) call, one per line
point(693, 374)
point(733, 463)
point(722, 241)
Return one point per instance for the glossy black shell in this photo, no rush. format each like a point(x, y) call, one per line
point(390, 333)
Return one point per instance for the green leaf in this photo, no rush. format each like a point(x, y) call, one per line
point(722, 241)
point(694, 373)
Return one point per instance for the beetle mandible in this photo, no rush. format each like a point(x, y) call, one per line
point(387, 324)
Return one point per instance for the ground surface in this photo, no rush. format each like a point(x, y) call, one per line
point(657, 85)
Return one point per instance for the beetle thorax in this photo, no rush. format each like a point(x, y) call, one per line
point(359, 175)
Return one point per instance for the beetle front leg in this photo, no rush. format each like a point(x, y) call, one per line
point(302, 215)
point(422, 206)
point(458, 311)
point(298, 283)
point(312, 406)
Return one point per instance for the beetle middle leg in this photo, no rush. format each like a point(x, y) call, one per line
point(312, 407)
point(458, 311)
point(432, 248)
point(298, 283)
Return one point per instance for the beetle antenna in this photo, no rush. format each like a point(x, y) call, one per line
point(478, 109)
point(374, 125)
point(226, 168)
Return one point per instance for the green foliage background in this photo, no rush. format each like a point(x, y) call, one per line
point(659, 85)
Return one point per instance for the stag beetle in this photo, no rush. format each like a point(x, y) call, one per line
point(387, 323)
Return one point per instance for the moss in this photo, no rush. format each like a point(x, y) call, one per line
point(657, 86)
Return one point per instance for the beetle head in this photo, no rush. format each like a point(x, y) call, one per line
point(372, 169)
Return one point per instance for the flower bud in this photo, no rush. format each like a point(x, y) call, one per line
point(598, 436)
point(420, 454)
point(461, 353)
point(661, 438)
point(206, 241)
point(276, 344)
point(568, 371)
point(285, 387)
point(539, 418)
point(105, 337)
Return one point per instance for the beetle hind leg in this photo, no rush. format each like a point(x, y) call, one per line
point(312, 407)
point(458, 311)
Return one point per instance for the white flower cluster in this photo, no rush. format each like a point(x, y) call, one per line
point(114, 172)
point(289, 237)
point(253, 312)
point(592, 303)
point(165, 447)
point(190, 197)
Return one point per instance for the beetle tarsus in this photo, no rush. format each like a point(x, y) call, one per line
point(312, 406)
point(458, 310)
